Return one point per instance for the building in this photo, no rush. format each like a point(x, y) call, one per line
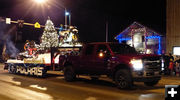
point(173, 26)
point(143, 39)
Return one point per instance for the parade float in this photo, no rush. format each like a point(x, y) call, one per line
point(38, 58)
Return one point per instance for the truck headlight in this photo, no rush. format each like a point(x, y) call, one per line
point(137, 64)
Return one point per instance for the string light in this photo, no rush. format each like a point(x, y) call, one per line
point(148, 37)
point(50, 36)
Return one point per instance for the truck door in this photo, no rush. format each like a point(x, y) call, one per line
point(87, 57)
point(101, 59)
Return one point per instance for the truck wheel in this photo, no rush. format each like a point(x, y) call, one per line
point(123, 79)
point(69, 74)
point(152, 83)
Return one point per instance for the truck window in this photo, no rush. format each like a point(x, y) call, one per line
point(102, 48)
point(122, 49)
point(89, 50)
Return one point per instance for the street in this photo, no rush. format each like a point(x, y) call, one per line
point(54, 87)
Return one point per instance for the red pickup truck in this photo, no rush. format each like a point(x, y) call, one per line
point(120, 62)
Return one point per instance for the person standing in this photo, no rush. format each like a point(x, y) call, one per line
point(26, 45)
point(171, 64)
point(177, 65)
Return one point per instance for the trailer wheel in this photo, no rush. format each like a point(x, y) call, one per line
point(69, 73)
point(9, 69)
point(152, 83)
point(123, 79)
point(44, 74)
point(12, 69)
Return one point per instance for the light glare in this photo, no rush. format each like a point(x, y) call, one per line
point(137, 64)
point(40, 1)
point(67, 13)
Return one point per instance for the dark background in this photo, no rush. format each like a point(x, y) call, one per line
point(90, 17)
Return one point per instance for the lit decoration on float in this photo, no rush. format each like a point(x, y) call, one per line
point(69, 37)
point(50, 37)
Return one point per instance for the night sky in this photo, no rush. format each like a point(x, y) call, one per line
point(89, 16)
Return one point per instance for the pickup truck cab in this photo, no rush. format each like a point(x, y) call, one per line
point(120, 62)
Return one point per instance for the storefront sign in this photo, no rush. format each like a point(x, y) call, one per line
point(176, 50)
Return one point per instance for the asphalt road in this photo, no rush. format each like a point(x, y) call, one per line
point(54, 87)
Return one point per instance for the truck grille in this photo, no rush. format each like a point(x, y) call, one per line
point(152, 64)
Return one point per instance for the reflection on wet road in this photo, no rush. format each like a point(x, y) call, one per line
point(19, 87)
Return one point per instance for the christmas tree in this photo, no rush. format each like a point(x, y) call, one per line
point(49, 38)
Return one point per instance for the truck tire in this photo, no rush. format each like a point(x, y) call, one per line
point(152, 83)
point(69, 74)
point(123, 79)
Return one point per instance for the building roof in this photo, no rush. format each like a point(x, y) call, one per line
point(135, 26)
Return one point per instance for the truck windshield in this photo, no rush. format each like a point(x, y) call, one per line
point(122, 49)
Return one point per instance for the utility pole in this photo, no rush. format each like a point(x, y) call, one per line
point(70, 19)
point(107, 30)
point(65, 17)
